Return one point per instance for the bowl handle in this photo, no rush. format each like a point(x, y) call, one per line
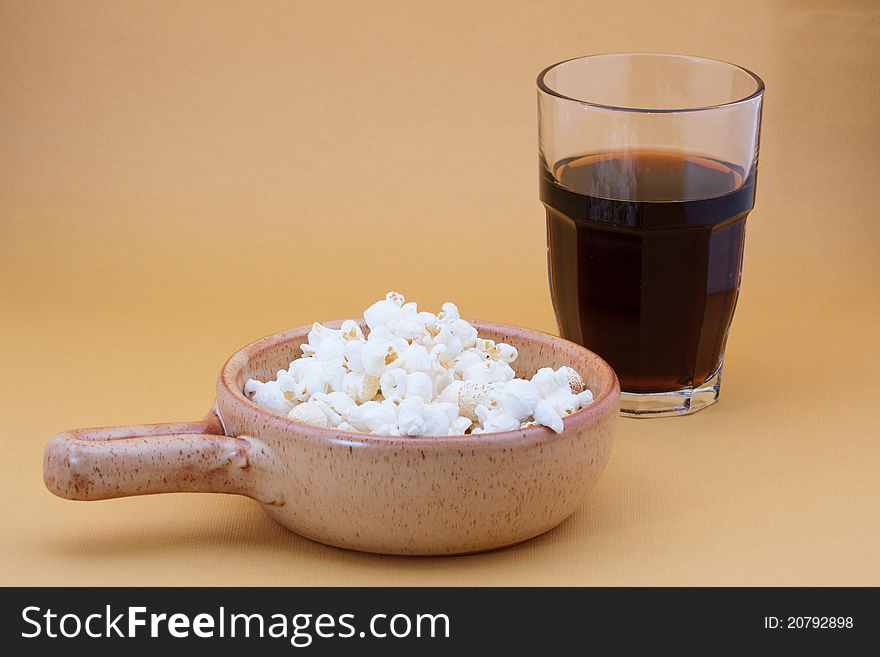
point(107, 462)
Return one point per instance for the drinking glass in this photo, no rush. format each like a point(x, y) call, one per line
point(648, 165)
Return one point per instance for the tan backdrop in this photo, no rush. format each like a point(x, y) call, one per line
point(177, 179)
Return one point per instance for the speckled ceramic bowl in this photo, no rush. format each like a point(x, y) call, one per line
point(393, 495)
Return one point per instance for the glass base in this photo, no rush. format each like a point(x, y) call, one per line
point(675, 402)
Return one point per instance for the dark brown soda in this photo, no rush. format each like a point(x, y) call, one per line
point(645, 256)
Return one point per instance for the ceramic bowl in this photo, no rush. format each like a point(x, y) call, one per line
point(386, 494)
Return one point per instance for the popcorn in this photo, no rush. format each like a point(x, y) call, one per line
point(380, 353)
point(416, 418)
point(448, 311)
point(452, 343)
point(419, 384)
point(436, 421)
point(563, 402)
point(499, 351)
point(574, 380)
point(387, 430)
point(545, 414)
point(441, 358)
point(268, 395)
point(451, 391)
point(361, 387)
point(309, 412)
point(322, 401)
point(324, 343)
point(585, 398)
point(468, 358)
point(287, 383)
point(415, 374)
point(341, 403)
point(373, 415)
point(470, 395)
point(430, 323)
point(500, 421)
point(351, 355)
point(415, 358)
point(466, 333)
point(489, 371)
point(518, 398)
point(381, 331)
point(334, 373)
point(451, 410)
point(387, 312)
point(459, 426)
point(484, 345)
point(410, 417)
point(545, 380)
point(442, 379)
point(374, 356)
point(508, 354)
point(410, 326)
point(302, 368)
point(351, 330)
point(393, 384)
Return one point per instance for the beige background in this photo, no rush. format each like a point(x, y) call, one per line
point(177, 179)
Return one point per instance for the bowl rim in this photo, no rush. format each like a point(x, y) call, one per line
point(606, 402)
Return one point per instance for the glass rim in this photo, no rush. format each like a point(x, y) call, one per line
point(757, 93)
